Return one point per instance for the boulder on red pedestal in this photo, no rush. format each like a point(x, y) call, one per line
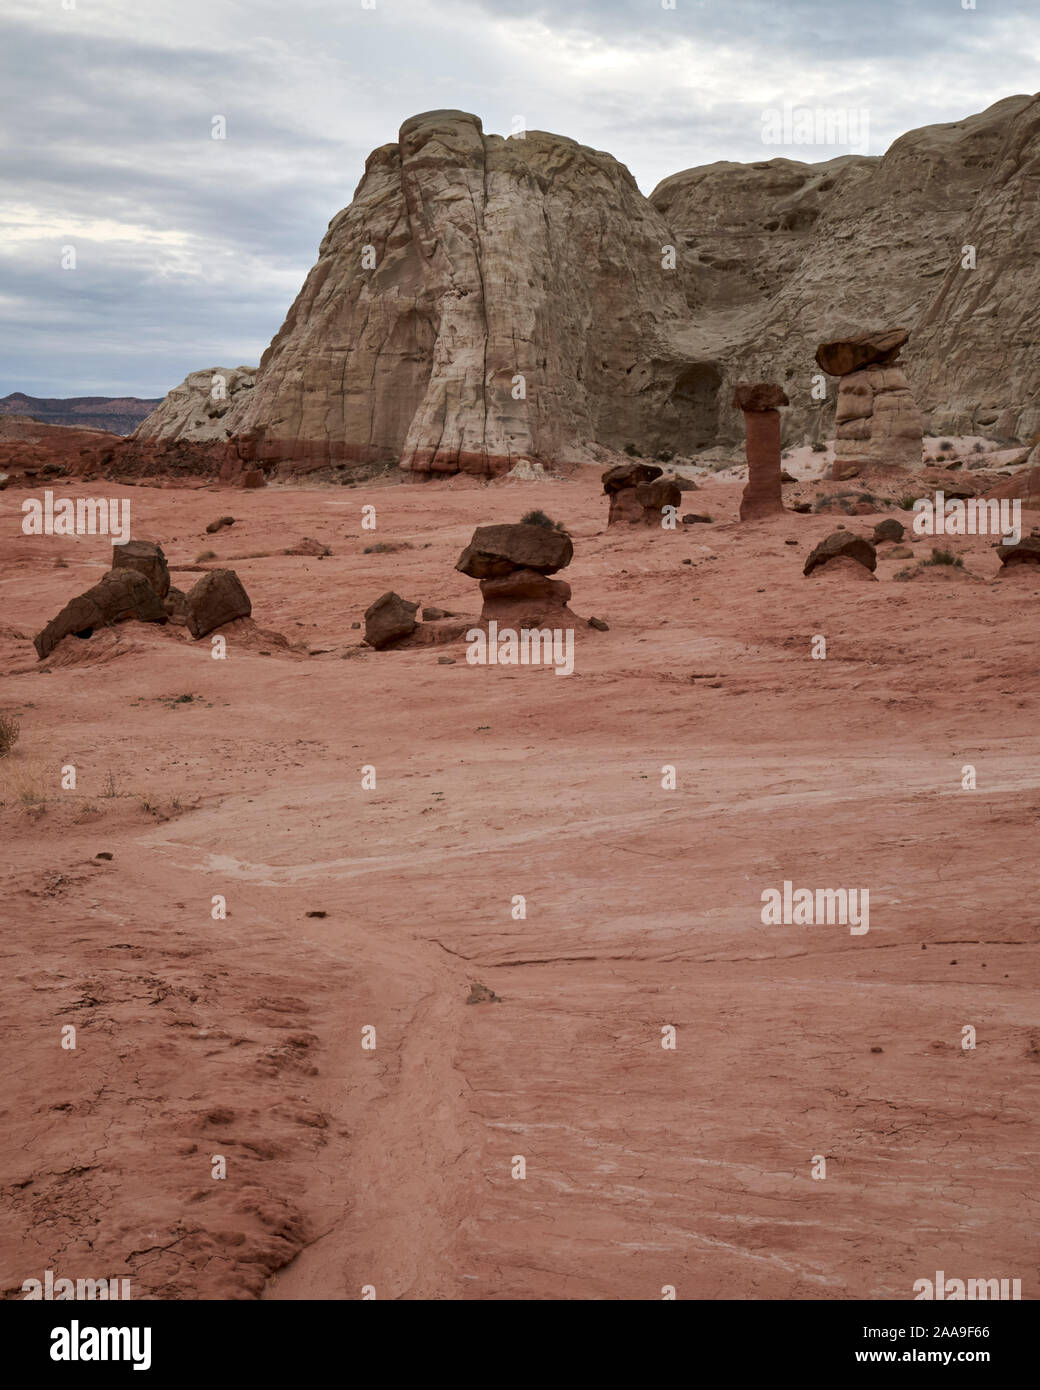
point(626, 475)
point(497, 550)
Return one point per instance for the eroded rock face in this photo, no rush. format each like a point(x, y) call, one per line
point(217, 598)
point(389, 619)
point(121, 594)
point(148, 559)
point(784, 251)
point(480, 302)
point(485, 303)
point(842, 544)
point(499, 550)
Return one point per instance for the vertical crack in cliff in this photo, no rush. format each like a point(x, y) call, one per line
point(478, 219)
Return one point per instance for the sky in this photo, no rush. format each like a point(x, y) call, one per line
point(189, 250)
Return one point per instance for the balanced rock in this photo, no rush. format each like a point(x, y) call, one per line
point(637, 493)
point(121, 594)
point(624, 475)
point(498, 550)
point(217, 598)
point(877, 420)
point(147, 558)
point(845, 355)
point(389, 619)
point(842, 543)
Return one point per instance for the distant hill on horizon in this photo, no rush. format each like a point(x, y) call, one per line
point(118, 414)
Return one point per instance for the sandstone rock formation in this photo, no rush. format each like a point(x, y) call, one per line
point(1025, 551)
point(513, 564)
point(495, 551)
point(877, 419)
point(889, 530)
point(389, 619)
point(842, 544)
point(485, 303)
point(638, 492)
point(761, 404)
point(121, 594)
point(148, 559)
point(216, 599)
point(783, 252)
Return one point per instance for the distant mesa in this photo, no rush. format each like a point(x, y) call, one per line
point(116, 414)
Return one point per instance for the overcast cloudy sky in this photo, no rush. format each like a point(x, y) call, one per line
point(189, 250)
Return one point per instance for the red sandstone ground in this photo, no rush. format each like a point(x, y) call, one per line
point(645, 1167)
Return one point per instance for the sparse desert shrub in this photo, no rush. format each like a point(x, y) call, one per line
point(904, 575)
point(819, 448)
point(539, 518)
point(110, 786)
point(61, 563)
point(632, 451)
point(906, 504)
point(9, 731)
point(947, 446)
point(205, 555)
point(943, 557)
point(665, 455)
point(978, 449)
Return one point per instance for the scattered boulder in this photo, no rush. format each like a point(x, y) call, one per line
point(121, 594)
point(219, 524)
point(5, 478)
point(599, 625)
point(695, 518)
point(217, 598)
point(842, 543)
point(433, 615)
point(1025, 551)
point(389, 619)
point(889, 530)
point(901, 552)
point(498, 550)
point(253, 477)
point(147, 558)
